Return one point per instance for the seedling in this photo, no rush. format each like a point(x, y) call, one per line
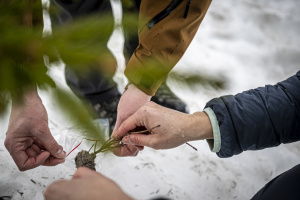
point(87, 159)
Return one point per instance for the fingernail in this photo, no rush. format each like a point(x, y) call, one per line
point(60, 153)
point(64, 154)
point(126, 140)
point(62, 161)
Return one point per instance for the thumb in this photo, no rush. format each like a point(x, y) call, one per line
point(129, 124)
point(49, 143)
point(84, 172)
point(139, 140)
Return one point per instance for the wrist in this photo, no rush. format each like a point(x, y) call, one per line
point(27, 97)
point(131, 88)
point(201, 128)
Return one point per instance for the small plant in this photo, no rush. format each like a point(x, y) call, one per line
point(87, 159)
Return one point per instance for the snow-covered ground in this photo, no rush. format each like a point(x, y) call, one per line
point(249, 43)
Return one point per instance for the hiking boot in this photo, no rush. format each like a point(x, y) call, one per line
point(165, 97)
point(108, 109)
point(100, 92)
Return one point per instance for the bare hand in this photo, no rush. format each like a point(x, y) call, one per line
point(132, 99)
point(85, 184)
point(28, 138)
point(176, 128)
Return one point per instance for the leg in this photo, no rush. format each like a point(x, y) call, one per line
point(96, 86)
point(284, 186)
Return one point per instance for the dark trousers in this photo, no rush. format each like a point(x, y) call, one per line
point(286, 186)
point(95, 86)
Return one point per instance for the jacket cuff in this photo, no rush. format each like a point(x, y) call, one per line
point(214, 144)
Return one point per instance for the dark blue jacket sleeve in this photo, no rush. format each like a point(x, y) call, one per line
point(259, 118)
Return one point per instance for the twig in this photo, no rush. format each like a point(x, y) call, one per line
point(136, 132)
point(192, 146)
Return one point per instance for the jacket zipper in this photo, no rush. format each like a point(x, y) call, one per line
point(187, 9)
point(163, 14)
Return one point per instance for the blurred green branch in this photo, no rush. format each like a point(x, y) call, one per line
point(22, 47)
point(195, 79)
point(80, 43)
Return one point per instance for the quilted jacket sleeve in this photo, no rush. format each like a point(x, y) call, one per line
point(259, 118)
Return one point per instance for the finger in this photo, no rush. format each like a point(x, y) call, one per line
point(139, 140)
point(35, 148)
point(140, 148)
point(117, 151)
point(127, 150)
point(119, 121)
point(31, 149)
point(25, 163)
point(49, 143)
point(116, 129)
point(84, 172)
point(39, 144)
point(57, 190)
point(28, 142)
point(20, 158)
point(31, 153)
point(130, 123)
point(51, 161)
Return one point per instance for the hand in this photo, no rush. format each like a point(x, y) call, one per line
point(85, 184)
point(131, 100)
point(28, 138)
point(176, 128)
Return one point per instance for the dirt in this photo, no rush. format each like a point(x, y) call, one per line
point(85, 159)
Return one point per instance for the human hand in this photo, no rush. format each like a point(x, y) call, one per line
point(85, 184)
point(131, 100)
point(28, 138)
point(175, 128)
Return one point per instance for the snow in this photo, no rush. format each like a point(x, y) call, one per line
point(248, 43)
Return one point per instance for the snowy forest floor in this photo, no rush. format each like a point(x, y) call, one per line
point(247, 43)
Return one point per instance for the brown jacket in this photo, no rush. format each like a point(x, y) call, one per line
point(164, 36)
